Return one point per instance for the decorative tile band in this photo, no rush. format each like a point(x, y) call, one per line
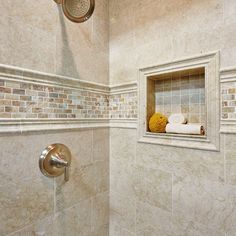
point(228, 94)
point(123, 106)
point(25, 100)
point(228, 100)
point(32, 99)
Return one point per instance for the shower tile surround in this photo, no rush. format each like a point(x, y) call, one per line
point(121, 104)
point(154, 189)
point(168, 190)
point(32, 204)
point(36, 35)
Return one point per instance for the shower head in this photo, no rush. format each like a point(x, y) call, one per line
point(77, 10)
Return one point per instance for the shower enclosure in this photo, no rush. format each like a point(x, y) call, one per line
point(78, 86)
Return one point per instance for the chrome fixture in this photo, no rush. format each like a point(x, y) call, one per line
point(77, 10)
point(55, 160)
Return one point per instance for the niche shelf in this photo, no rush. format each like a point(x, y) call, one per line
point(189, 86)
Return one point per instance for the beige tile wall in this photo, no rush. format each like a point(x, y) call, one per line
point(158, 190)
point(32, 204)
point(154, 190)
point(149, 32)
point(36, 35)
point(162, 190)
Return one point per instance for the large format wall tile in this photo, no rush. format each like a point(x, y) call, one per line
point(81, 147)
point(101, 145)
point(100, 213)
point(152, 33)
point(122, 177)
point(32, 203)
point(86, 218)
point(154, 187)
point(20, 158)
point(152, 220)
point(230, 159)
point(123, 142)
point(77, 220)
point(122, 212)
point(36, 35)
point(229, 35)
point(30, 13)
point(80, 187)
point(182, 162)
point(43, 227)
point(80, 52)
point(116, 230)
point(201, 203)
point(29, 46)
point(25, 203)
point(175, 191)
point(85, 182)
point(17, 162)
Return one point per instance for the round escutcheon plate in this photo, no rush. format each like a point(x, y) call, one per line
point(46, 164)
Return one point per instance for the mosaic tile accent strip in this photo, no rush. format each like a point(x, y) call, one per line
point(27, 95)
point(185, 94)
point(32, 101)
point(123, 105)
point(26, 100)
point(228, 103)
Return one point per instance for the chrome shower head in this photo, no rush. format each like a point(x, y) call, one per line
point(77, 10)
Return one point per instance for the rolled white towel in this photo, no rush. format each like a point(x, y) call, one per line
point(185, 129)
point(177, 119)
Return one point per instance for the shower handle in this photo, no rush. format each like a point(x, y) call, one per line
point(59, 162)
point(55, 160)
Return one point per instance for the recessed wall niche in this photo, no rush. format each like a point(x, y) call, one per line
point(190, 87)
point(179, 92)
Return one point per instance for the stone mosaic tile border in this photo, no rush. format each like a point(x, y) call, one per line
point(26, 100)
point(228, 100)
point(123, 106)
point(31, 100)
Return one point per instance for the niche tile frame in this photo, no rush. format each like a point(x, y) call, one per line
point(211, 141)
